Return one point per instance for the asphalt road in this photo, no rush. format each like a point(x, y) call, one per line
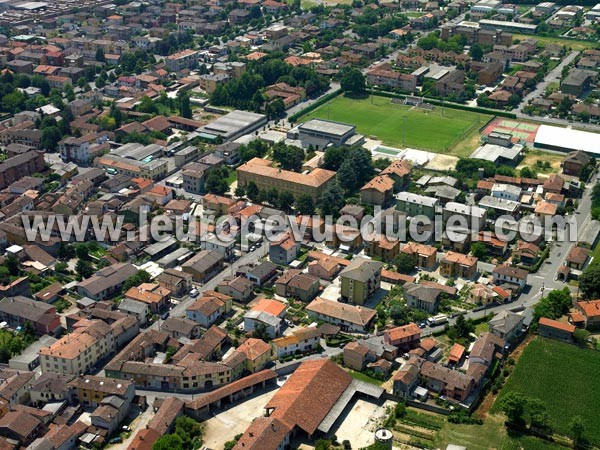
point(544, 280)
point(552, 76)
point(248, 258)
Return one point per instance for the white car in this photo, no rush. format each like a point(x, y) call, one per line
point(194, 293)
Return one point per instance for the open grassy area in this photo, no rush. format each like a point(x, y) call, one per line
point(364, 377)
point(492, 434)
point(440, 130)
point(575, 44)
point(565, 378)
point(533, 156)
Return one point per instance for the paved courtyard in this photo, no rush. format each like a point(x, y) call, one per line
point(228, 423)
point(360, 423)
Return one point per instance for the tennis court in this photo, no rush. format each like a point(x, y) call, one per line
point(520, 131)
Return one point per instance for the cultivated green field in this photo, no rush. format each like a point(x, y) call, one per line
point(565, 378)
point(438, 130)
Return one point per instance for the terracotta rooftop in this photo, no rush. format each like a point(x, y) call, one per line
point(544, 321)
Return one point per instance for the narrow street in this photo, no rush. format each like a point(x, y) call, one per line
point(552, 76)
point(544, 280)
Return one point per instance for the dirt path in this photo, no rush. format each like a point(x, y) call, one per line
point(487, 403)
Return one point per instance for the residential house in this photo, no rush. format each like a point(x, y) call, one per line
point(207, 309)
point(360, 279)
point(204, 265)
point(347, 317)
point(18, 310)
point(577, 258)
point(296, 284)
point(382, 248)
point(90, 342)
point(510, 275)
point(267, 314)
point(239, 288)
point(423, 255)
point(405, 337)
point(507, 325)
point(258, 354)
point(378, 191)
point(416, 205)
point(299, 341)
point(458, 265)
point(554, 329)
point(591, 313)
point(179, 327)
point(575, 163)
point(152, 294)
point(421, 296)
point(284, 250)
point(107, 282)
point(262, 273)
point(177, 282)
point(399, 171)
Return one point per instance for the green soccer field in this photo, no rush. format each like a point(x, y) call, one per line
point(439, 130)
point(565, 378)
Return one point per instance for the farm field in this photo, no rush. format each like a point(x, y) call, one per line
point(439, 130)
point(567, 389)
point(575, 44)
point(492, 434)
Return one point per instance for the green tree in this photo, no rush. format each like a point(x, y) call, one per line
point(332, 199)
point(334, 157)
point(285, 201)
point(216, 180)
point(252, 191)
point(4, 275)
point(185, 108)
point(12, 264)
point(577, 430)
point(168, 442)
point(100, 57)
point(352, 81)
point(305, 205)
point(240, 191)
point(50, 138)
point(147, 105)
point(83, 252)
point(589, 281)
point(580, 336)
point(404, 263)
point(478, 249)
point(140, 277)
point(476, 52)
point(84, 268)
point(289, 157)
point(527, 172)
point(513, 406)
point(68, 92)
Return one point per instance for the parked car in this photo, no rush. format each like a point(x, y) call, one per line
point(194, 293)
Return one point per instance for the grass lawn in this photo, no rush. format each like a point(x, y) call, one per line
point(492, 434)
point(565, 378)
point(596, 252)
point(363, 377)
point(532, 156)
point(440, 130)
point(575, 44)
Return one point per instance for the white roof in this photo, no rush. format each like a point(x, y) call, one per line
point(568, 139)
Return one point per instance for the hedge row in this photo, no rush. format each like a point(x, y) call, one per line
point(432, 101)
point(294, 117)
